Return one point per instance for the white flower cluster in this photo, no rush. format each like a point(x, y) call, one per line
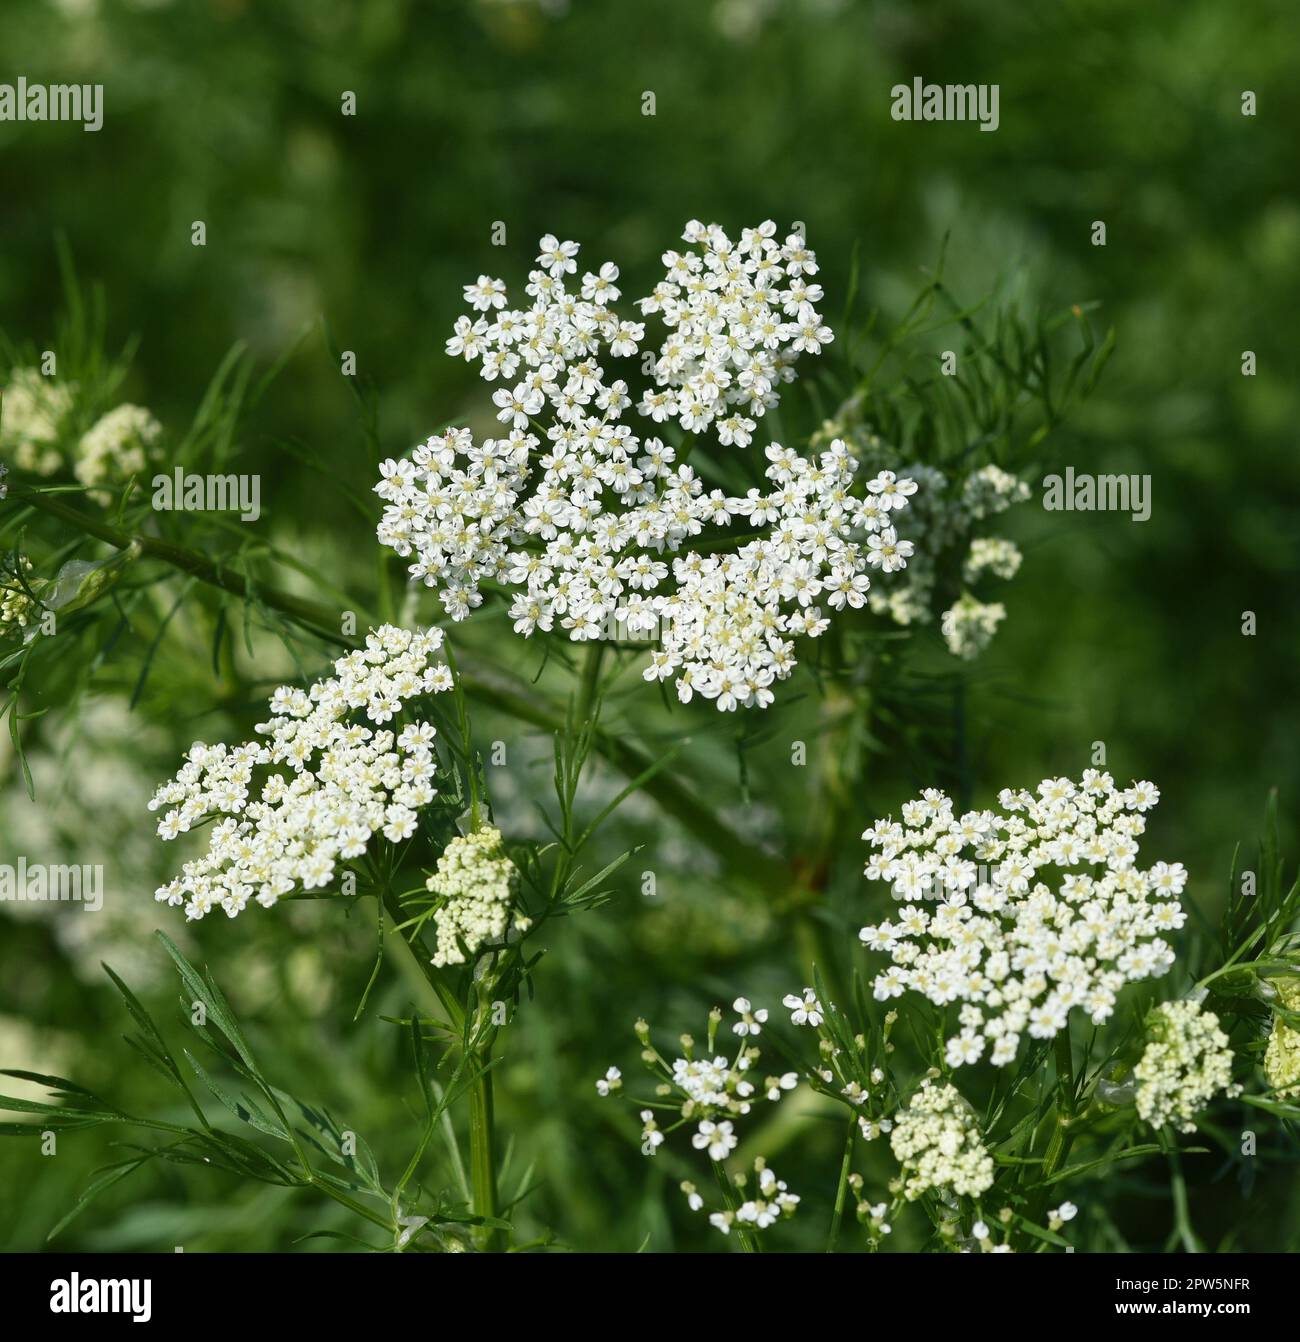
point(477, 883)
point(1036, 909)
point(32, 414)
point(596, 528)
point(1186, 1063)
point(874, 1216)
point(991, 554)
point(710, 1086)
point(119, 444)
point(968, 625)
point(937, 1141)
point(734, 332)
point(348, 777)
point(938, 523)
point(772, 1201)
point(33, 432)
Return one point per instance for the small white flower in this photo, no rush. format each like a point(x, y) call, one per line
point(751, 1021)
point(719, 1139)
point(805, 1010)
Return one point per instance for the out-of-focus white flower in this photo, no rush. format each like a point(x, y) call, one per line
point(939, 522)
point(32, 416)
point(118, 445)
point(968, 625)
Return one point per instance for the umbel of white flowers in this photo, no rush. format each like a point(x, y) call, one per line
point(1016, 917)
point(713, 1093)
point(338, 775)
point(595, 527)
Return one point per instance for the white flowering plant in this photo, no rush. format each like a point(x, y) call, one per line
point(701, 588)
point(996, 956)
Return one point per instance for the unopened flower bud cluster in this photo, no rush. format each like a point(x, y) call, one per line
point(1282, 1056)
point(1186, 1063)
point(338, 775)
point(595, 528)
point(477, 883)
point(1016, 917)
point(937, 1141)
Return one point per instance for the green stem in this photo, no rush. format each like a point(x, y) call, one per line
point(1183, 1230)
point(319, 618)
point(842, 1192)
point(589, 689)
point(482, 1159)
point(1064, 1071)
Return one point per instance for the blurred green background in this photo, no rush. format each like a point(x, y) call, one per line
point(327, 232)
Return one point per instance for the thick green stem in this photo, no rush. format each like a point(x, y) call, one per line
point(589, 689)
point(318, 618)
point(482, 1158)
